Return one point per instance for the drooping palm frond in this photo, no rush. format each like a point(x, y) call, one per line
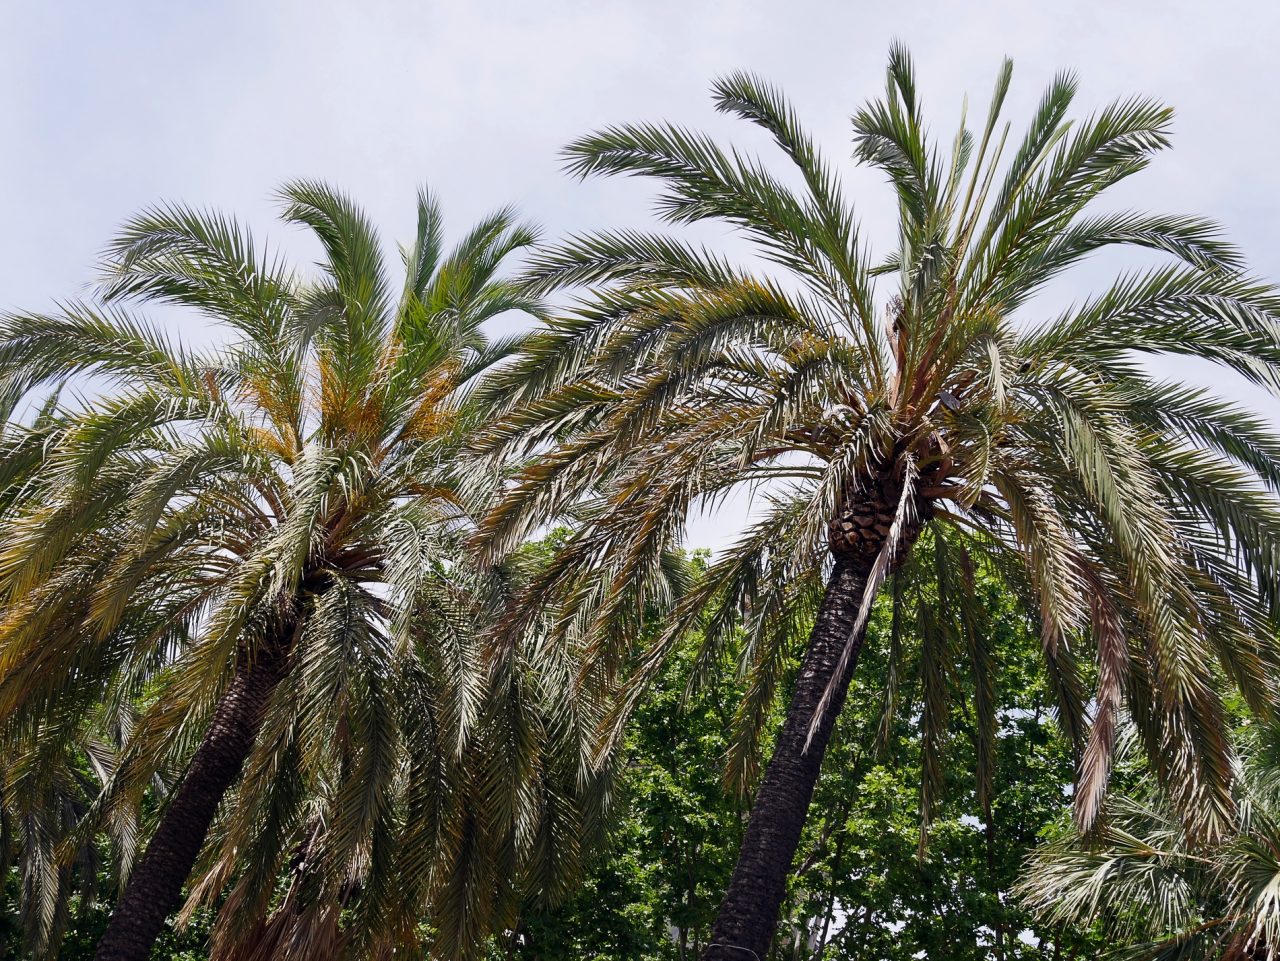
point(1155, 891)
point(47, 783)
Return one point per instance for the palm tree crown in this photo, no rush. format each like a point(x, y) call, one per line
point(262, 543)
point(1138, 516)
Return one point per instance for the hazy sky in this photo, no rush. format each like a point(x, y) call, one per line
point(108, 107)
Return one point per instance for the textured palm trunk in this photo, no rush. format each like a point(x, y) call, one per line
point(749, 912)
point(155, 886)
point(748, 916)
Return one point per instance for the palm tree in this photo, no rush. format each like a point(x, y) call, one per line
point(46, 786)
point(1155, 892)
point(54, 766)
point(260, 545)
point(1141, 514)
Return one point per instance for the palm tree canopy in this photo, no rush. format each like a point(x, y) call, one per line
point(304, 481)
point(866, 399)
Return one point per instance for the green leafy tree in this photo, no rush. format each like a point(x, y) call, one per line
point(864, 885)
point(259, 546)
point(1137, 518)
point(655, 882)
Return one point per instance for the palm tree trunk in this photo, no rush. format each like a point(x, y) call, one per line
point(749, 913)
point(155, 887)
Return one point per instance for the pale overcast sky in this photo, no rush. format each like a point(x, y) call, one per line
point(108, 107)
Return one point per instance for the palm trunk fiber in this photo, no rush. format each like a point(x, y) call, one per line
point(748, 915)
point(155, 887)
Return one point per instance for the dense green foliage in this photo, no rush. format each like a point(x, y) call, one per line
point(863, 888)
